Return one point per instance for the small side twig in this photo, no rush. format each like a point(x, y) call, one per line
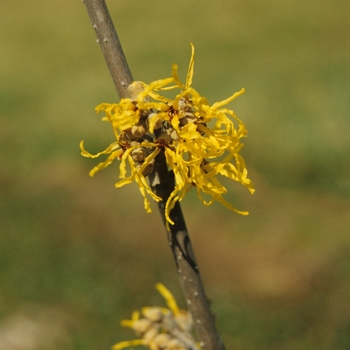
point(162, 183)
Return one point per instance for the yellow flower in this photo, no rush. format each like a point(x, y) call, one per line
point(159, 327)
point(200, 141)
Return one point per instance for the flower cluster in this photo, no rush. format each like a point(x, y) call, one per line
point(160, 328)
point(200, 141)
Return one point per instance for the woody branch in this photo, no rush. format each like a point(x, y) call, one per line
point(162, 183)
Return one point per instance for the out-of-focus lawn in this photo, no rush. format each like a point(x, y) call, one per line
point(77, 256)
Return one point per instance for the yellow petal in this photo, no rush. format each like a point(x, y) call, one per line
point(169, 298)
point(189, 76)
point(103, 165)
point(189, 131)
point(128, 344)
point(112, 147)
point(176, 77)
point(123, 182)
point(228, 100)
point(149, 159)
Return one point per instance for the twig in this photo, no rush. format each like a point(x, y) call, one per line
point(187, 268)
point(162, 183)
point(110, 45)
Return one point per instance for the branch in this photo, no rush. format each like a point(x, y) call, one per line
point(162, 183)
point(110, 45)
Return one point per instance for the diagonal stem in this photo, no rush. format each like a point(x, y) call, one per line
point(162, 183)
point(110, 45)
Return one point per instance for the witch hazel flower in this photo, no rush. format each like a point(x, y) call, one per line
point(160, 328)
point(200, 141)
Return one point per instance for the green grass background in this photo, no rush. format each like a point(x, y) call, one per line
point(77, 256)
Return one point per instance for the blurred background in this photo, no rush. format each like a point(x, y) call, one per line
point(77, 255)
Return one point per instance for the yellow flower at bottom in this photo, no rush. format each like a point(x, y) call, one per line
point(161, 328)
point(200, 141)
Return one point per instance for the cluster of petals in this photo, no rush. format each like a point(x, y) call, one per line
point(200, 141)
point(161, 328)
